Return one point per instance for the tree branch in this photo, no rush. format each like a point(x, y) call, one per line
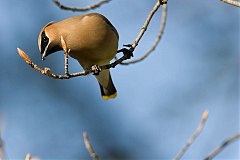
point(145, 25)
point(222, 146)
point(194, 136)
point(232, 2)
point(93, 6)
point(159, 36)
point(93, 70)
point(89, 147)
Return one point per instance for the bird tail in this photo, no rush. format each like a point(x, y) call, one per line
point(107, 87)
point(109, 92)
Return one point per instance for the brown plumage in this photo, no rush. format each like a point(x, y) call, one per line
point(92, 39)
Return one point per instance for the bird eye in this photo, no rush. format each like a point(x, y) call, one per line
point(45, 39)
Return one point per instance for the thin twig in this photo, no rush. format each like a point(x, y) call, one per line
point(66, 53)
point(66, 62)
point(194, 136)
point(222, 146)
point(232, 2)
point(93, 6)
point(89, 147)
point(92, 70)
point(159, 36)
point(146, 23)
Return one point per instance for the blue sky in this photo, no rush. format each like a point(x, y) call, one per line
point(160, 100)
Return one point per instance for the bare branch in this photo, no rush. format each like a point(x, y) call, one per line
point(194, 136)
point(93, 6)
point(232, 2)
point(89, 147)
point(159, 36)
point(47, 71)
point(93, 70)
point(146, 23)
point(66, 53)
point(222, 146)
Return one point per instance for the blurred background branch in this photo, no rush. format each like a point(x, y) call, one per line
point(194, 136)
point(222, 146)
point(94, 156)
point(89, 147)
point(93, 6)
point(232, 2)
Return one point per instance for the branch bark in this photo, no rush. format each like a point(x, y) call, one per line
point(159, 36)
point(93, 6)
point(93, 70)
point(146, 23)
point(222, 146)
point(194, 136)
point(89, 147)
point(232, 2)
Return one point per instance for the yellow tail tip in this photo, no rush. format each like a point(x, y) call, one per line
point(114, 95)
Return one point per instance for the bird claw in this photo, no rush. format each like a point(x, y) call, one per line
point(127, 45)
point(127, 53)
point(163, 1)
point(96, 69)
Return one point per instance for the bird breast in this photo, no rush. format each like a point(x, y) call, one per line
point(89, 38)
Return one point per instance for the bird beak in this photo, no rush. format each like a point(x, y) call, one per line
point(44, 53)
point(43, 56)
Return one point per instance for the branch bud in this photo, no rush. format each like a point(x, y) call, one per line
point(24, 56)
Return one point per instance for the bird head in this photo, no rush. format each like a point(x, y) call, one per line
point(48, 40)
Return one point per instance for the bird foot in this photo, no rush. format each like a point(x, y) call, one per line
point(127, 53)
point(163, 1)
point(96, 69)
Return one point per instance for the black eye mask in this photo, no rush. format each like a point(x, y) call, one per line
point(44, 42)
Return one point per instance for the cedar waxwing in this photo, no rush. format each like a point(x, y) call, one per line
point(92, 40)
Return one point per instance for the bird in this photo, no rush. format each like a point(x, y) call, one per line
point(92, 40)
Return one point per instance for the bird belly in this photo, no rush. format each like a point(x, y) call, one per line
point(94, 52)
